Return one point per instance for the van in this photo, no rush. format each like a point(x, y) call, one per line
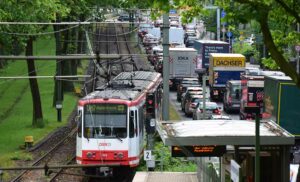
point(232, 96)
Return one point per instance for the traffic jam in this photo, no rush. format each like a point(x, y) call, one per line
point(231, 84)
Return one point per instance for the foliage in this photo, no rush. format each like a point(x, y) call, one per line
point(27, 11)
point(277, 20)
point(16, 124)
point(270, 63)
point(164, 161)
point(246, 49)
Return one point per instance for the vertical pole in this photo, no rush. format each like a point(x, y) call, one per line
point(218, 24)
point(59, 93)
point(298, 62)
point(58, 101)
point(204, 95)
point(230, 45)
point(166, 66)
point(285, 163)
point(223, 32)
point(222, 170)
point(257, 148)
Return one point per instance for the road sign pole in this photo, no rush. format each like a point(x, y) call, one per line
point(230, 45)
point(218, 24)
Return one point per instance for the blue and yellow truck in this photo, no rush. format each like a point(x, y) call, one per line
point(222, 68)
point(282, 103)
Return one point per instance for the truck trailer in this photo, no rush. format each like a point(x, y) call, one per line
point(205, 47)
point(282, 103)
point(182, 65)
point(222, 68)
point(252, 95)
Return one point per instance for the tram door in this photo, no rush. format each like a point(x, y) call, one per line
point(133, 134)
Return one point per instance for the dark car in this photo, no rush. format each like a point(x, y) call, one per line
point(123, 18)
point(190, 41)
point(182, 88)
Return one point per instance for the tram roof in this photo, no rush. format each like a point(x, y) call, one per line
point(126, 86)
point(222, 132)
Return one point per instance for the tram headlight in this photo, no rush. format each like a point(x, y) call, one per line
point(120, 155)
point(89, 155)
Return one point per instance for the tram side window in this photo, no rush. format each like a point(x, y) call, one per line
point(79, 124)
point(131, 124)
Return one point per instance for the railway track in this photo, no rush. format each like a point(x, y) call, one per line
point(57, 155)
point(107, 39)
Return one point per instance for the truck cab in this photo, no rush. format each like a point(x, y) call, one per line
point(232, 96)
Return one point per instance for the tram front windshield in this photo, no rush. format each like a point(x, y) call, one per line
point(105, 121)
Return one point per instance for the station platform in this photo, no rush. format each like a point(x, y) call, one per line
point(165, 177)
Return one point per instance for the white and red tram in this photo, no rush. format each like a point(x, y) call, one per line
point(112, 119)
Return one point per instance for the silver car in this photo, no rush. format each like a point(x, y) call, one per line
point(211, 108)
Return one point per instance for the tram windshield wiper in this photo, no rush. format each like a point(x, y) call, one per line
point(119, 138)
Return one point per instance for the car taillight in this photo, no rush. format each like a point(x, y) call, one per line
point(217, 111)
point(229, 99)
point(192, 105)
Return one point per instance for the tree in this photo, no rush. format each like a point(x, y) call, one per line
point(24, 35)
point(277, 20)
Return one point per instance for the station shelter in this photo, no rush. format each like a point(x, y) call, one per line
point(233, 143)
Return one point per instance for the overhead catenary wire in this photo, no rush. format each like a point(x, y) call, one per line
point(121, 34)
point(35, 77)
point(45, 23)
point(37, 34)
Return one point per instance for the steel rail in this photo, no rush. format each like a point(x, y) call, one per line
point(19, 177)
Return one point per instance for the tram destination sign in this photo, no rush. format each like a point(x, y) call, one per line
point(198, 151)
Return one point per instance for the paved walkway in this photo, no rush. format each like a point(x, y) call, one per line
point(165, 177)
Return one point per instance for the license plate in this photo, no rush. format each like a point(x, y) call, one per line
point(216, 92)
point(236, 105)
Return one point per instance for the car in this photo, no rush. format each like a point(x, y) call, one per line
point(187, 94)
point(219, 117)
point(123, 18)
point(184, 83)
point(150, 39)
point(189, 42)
point(211, 108)
point(174, 23)
point(192, 102)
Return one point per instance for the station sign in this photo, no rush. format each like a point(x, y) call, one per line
point(198, 151)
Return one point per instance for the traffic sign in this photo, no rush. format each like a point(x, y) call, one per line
point(297, 48)
point(229, 34)
point(223, 14)
point(147, 155)
point(223, 30)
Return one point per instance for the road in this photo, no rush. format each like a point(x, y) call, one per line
point(177, 106)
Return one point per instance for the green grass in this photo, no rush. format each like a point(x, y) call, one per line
point(173, 113)
point(16, 114)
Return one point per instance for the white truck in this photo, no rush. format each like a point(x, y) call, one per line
point(176, 36)
point(183, 63)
